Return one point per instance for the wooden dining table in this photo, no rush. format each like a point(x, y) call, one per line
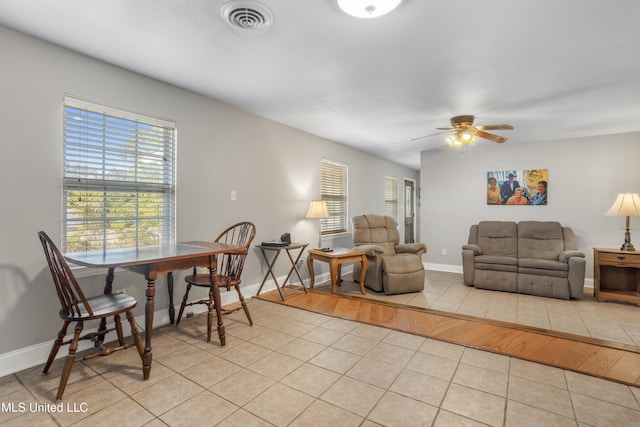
point(152, 261)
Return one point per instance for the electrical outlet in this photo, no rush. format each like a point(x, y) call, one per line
point(233, 195)
point(444, 252)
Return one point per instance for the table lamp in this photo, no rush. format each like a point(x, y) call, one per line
point(626, 204)
point(318, 210)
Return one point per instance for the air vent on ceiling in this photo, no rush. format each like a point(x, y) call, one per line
point(246, 15)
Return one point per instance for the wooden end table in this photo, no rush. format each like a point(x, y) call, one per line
point(335, 259)
point(616, 275)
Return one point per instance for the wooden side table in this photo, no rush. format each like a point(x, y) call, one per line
point(335, 259)
point(294, 267)
point(616, 275)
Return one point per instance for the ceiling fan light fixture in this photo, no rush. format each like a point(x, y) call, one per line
point(467, 137)
point(450, 141)
point(455, 141)
point(368, 8)
point(465, 133)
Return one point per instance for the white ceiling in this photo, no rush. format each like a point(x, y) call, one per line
point(553, 69)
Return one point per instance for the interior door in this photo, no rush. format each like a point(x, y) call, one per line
point(409, 211)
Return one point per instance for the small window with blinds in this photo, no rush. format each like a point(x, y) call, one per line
point(333, 189)
point(391, 197)
point(119, 178)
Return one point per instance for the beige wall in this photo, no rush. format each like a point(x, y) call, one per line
point(274, 169)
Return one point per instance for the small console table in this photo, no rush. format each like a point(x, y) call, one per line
point(616, 275)
point(335, 259)
point(294, 264)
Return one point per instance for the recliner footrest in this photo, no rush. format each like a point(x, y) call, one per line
point(402, 273)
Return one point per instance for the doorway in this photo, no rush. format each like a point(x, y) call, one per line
point(409, 211)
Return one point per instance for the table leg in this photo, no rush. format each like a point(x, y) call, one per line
point(270, 272)
point(333, 270)
point(108, 281)
point(294, 266)
point(363, 273)
point(108, 285)
point(311, 273)
point(148, 322)
point(172, 310)
point(216, 300)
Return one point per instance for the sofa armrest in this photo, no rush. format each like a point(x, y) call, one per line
point(477, 250)
point(468, 264)
point(370, 250)
point(577, 266)
point(565, 255)
point(411, 248)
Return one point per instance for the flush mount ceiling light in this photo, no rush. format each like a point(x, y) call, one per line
point(246, 15)
point(368, 8)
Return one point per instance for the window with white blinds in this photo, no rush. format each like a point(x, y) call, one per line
point(391, 197)
point(333, 190)
point(119, 178)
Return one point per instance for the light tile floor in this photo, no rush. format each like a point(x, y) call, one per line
point(445, 291)
point(297, 368)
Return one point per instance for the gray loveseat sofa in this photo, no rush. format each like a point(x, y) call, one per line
point(529, 257)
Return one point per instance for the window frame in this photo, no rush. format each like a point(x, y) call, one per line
point(391, 197)
point(124, 164)
point(334, 184)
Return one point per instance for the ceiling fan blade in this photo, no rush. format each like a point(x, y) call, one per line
point(495, 127)
point(491, 137)
point(446, 128)
point(433, 134)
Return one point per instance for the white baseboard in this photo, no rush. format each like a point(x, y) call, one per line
point(448, 268)
point(34, 355)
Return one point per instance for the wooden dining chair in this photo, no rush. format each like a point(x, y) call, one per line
point(228, 273)
point(77, 308)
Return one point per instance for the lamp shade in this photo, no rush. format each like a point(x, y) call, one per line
point(626, 204)
point(368, 8)
point(318, 209)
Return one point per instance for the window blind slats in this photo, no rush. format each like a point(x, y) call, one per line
point(391, 197)
point(333, 189)
point(119, 178)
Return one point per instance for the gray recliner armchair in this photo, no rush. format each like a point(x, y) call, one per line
point(393, 267)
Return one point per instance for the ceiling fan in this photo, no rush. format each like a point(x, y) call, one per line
point(466, 133)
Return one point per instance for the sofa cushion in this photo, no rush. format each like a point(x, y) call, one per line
point(496, 280)
point(402, 263)
point(545, 286)
point(493, 259)
point(498, 238)
point(496, 263)
point(543, 264)
point(537, 239)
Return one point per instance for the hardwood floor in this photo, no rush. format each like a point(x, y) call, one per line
point(603, 359)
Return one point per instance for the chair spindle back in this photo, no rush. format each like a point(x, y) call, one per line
point(69, 293)
point(241, 234)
